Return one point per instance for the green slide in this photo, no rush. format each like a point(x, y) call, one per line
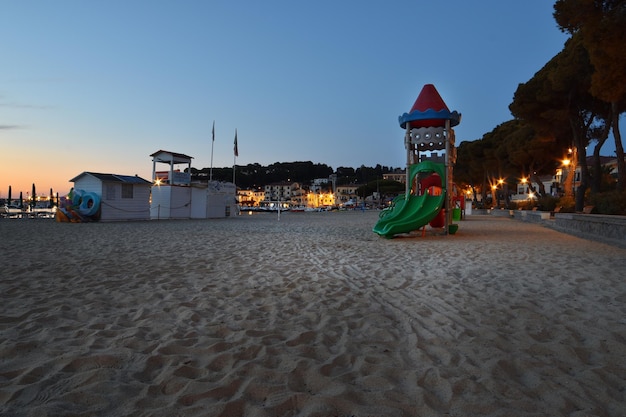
point(419, 210)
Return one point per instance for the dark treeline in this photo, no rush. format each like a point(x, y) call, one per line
point(256, 175)
point(304, 172)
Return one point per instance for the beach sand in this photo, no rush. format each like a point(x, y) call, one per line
point(312, 315)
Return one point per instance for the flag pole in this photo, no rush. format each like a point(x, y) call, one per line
point(235, 156)
point(212, 143)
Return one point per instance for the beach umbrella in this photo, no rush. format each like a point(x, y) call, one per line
point(32, 202)
point(21, 201)
point(51, 200)
point(9, 202)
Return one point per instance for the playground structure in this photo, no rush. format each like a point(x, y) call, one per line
point(428, 195)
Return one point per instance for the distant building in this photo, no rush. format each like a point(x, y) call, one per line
point(250, 198)
point(346, 193)
point(320, 181)
point(398, 174)
point(278, 191)
point(553, 184)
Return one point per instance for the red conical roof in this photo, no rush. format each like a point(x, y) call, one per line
point(429, 99)
point(429, 110)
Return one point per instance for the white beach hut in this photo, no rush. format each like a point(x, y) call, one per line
point(120, 197)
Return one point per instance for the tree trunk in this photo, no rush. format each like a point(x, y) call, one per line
point(541, 189)
point(568, 184)
point(483, 192)
point(619, 149)
point(584, 180)
point(596, 171)
point(580, 159)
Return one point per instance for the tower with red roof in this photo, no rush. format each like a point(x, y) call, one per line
point(429, 141)
point(428, 131)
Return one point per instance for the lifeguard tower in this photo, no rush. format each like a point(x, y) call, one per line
point(175, 196)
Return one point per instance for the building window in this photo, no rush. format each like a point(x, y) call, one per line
point(110, 192)
point(127, 191)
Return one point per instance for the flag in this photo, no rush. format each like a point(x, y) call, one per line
point(213, 131)
point(236, 150)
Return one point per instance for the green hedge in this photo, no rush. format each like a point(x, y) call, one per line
point(610, 202)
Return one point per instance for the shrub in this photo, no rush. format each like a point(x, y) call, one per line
point(548, 203)
point(523, 205)
point(567, 204)
point(610, 202)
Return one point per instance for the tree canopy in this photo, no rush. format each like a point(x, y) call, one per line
point(601, 26)
point(574, 100)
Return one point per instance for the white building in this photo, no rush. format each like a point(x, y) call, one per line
point(279, 191)
point(174, 196)
point(346, 194)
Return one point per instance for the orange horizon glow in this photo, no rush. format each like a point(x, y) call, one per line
point(44, 177)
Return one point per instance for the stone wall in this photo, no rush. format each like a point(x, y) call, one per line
point(610, 229)
point(599, 227)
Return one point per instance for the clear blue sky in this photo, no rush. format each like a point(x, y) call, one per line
point(99, 86)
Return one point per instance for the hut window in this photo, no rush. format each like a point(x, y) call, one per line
point(110, 192)
point(127, 191)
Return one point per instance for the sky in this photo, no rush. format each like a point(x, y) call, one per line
point(100, 86)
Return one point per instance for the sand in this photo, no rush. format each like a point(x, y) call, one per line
point(312, 315)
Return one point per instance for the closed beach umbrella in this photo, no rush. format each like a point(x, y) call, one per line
point(32, 203)
point(51, 200)
point(9, 202)
point(21, 201)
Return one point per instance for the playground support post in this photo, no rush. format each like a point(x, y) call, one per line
point(407, 145)
point(448, 167)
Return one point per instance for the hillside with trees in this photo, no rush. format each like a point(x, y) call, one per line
point(253, 176)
